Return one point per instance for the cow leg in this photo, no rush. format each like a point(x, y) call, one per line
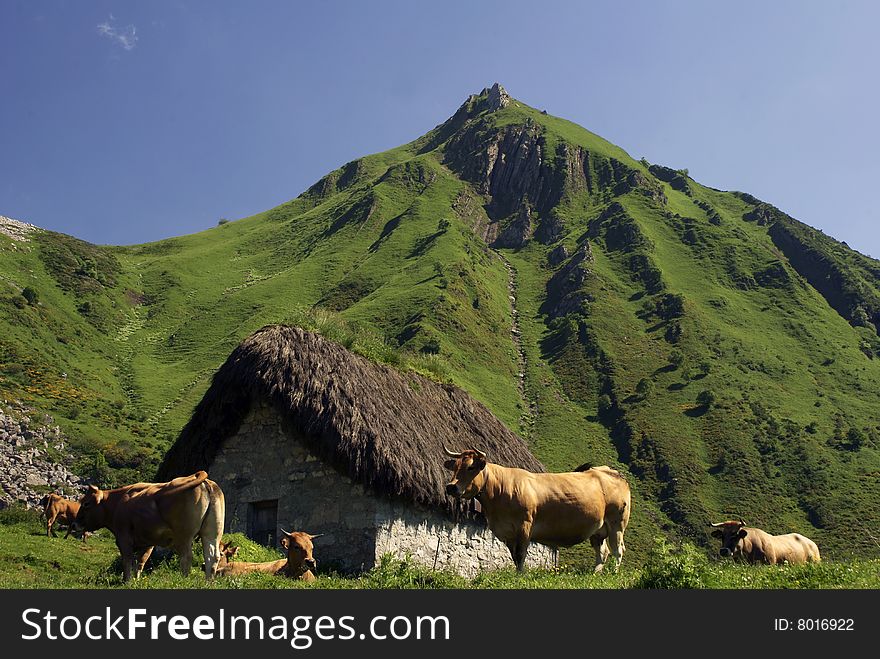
point(141, 558)
point(211, 530)
point(600, 545)
point(615, 539)
point(185, 551)
point(519, 549)
point(49, 524)
point(127, 562)
point(125, 544)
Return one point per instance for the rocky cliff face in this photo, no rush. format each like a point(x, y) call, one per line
point(565, 292)
point(32, 458)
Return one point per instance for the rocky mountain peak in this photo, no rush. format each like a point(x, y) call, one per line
point(497, 97)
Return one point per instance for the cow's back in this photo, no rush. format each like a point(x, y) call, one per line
point(796, 548)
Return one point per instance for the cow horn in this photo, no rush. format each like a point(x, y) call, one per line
point(716, 525)
point(285, 532)
point(741, 521)
point(451, 454)
point(317, 535)
point(480, 453)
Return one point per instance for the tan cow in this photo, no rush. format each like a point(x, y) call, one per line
point(557, 510)
point(758, 546)
point(170, 514)
point(298, 565)
point(59, 510)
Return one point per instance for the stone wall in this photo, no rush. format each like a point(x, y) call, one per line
point(265, 460)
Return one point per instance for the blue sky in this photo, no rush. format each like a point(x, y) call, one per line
point(124, 122)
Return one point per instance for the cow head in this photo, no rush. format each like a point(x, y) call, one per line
point(227, 553)
point(91, 512)
point(299, 552)
point(468, 476)
point(731, 535)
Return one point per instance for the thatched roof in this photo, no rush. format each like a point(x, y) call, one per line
point(380, 427)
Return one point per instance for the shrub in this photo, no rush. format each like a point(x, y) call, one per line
point(670, 306)
point(672, 568)
point(706, 398)
point(432, 347)
point(30, 295)
point(604, 404)
point(676, 359)
point(19, 514)
point(644, 387)
point(222, 221)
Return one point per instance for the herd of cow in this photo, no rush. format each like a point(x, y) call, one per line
point(521, 507)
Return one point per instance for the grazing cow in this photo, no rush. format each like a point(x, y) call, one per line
point(298, 564)
point(557, 510)
point(170, 514)
point(63, 511)
point(758, 546)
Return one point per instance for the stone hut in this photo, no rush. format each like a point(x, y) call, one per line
point(304, 435)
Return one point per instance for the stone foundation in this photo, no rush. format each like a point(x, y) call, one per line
point(265, 461)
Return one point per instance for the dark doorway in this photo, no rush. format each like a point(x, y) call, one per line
point(262, 522)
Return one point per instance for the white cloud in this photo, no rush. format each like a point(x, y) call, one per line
point(123, 36)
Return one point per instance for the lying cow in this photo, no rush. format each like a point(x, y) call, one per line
point(59, 510)
point(557, 510)
point(298, 564)
point(758, 546)
point(170, 514)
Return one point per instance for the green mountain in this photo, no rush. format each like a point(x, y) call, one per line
point(607, 309)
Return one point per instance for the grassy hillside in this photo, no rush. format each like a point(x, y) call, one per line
point(607, 309)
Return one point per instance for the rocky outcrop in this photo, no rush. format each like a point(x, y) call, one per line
point(550, 229)
point(557, 255)
point(762, 215)
point(32, 456)
point(496, 97)
point(507, 165)
point(565, 292)
point(16, 229)
point(518, 229)
point(847, 295)
point(676, 179)
point(620, 231)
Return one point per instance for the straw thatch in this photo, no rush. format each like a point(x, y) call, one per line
point(378, 426)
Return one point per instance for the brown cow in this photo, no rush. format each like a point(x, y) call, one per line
point(298, 564)
point(170, 514)
point(63, 511)
point(758, 546)
point(557, 510)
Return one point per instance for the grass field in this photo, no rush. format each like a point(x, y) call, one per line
point(28, 559)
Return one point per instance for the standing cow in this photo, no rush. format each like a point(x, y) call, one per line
point(557, 510)
point(59, 510)
point(758, 546)
point(170, 514)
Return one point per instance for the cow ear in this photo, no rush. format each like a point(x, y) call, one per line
point(285, 542)
point(94, 488)
point(234, 551)
point(742, 533)
point(450, 464)
point(717, 534)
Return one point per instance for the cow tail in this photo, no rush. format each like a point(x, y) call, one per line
point(193, 481)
